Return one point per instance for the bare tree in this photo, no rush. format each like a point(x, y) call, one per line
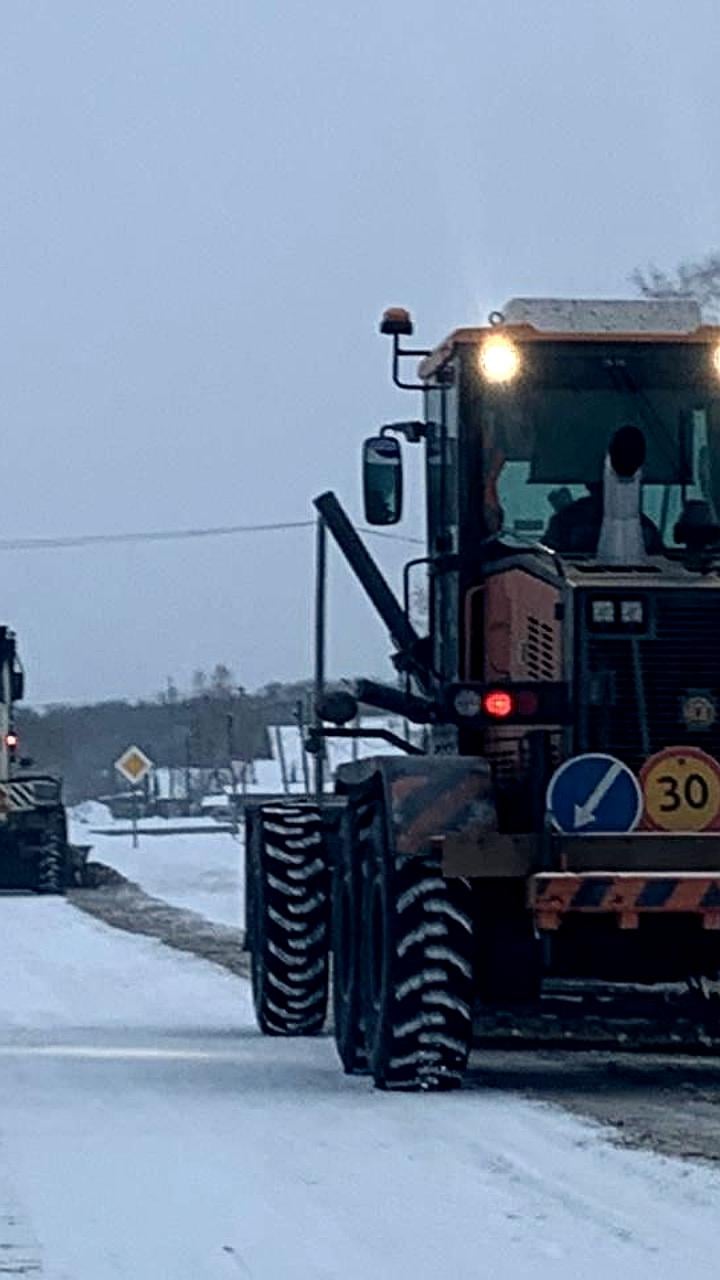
point(221, 681)
point(199, 683)
point(699, 279)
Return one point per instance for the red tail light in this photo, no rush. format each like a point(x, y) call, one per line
point(498, 703)
point(532, 702)
point(11, 741)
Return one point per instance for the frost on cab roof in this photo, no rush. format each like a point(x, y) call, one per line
point(587, 315)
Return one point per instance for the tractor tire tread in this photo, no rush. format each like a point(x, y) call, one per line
point(428, 1027)
point(290, 960)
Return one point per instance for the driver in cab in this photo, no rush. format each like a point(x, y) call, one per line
point(575, 526)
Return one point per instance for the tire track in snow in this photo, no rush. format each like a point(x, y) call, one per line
point(124, 905)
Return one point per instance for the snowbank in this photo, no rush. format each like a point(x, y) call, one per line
point(200, 872)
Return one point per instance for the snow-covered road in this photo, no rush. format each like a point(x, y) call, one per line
point(201, 872)
point(148, 1132)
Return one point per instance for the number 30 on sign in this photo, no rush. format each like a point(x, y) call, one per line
point(681, 786)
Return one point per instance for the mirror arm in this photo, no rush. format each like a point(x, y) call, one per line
point(313, 741)
point(413, 432)
point(400, 353)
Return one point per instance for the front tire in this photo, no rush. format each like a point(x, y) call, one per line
point(418, 968)
point(288, 920)
point(347, 932)
point(51, 864)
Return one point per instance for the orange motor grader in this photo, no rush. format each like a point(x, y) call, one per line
point(563, 820)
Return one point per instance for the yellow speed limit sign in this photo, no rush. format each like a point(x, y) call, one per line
point(681, 786)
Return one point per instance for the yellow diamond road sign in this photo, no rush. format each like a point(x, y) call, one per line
point(133, 765)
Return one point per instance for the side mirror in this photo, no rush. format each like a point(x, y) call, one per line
point(382, 480)
point(17, 686)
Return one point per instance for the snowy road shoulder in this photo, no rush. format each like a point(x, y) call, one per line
point(126, 906)
point(199, 872)
point(148, 1130)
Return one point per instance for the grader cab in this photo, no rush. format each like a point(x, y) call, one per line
point(564, 821)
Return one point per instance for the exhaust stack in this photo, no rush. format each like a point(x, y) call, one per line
point(621, 538)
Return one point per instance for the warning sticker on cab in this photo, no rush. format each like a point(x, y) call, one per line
point(681, 788)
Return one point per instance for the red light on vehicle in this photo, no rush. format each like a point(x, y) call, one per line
point(11, 741)
point(498, 704)
point(528, 703)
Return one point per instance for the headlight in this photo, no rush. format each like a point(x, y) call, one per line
point(499, 359)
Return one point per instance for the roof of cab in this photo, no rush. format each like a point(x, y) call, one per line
point(585, 319)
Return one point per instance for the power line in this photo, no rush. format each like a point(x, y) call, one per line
point(153, 535)
point(395, 537)
point(173, 535)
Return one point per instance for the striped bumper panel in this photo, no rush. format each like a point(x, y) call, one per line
point(627, 895)
point(16, 795)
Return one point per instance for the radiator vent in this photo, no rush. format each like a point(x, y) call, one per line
point(679, 657)
point(540, 650)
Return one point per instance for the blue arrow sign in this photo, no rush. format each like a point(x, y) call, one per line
point(594, 793)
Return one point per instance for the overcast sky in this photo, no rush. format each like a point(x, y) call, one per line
point(204, 208)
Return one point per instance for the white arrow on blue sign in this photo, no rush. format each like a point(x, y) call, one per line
point(594, 793)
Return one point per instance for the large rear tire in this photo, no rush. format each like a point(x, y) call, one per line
point(418, 968)
point(347, 932)
point(51, 863)
point(288, 919)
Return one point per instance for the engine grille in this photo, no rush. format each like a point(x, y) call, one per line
point(540, 651)
point(680, 657)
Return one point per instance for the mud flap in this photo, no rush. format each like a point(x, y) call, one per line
point(428, 797)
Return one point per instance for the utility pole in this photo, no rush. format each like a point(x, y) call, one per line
point(319, 681)
point(231, 757)
point(300, 717)
point(171, 745)
point(188, 767)
point(280, 748)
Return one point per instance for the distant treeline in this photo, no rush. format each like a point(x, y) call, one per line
point(199, 728)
